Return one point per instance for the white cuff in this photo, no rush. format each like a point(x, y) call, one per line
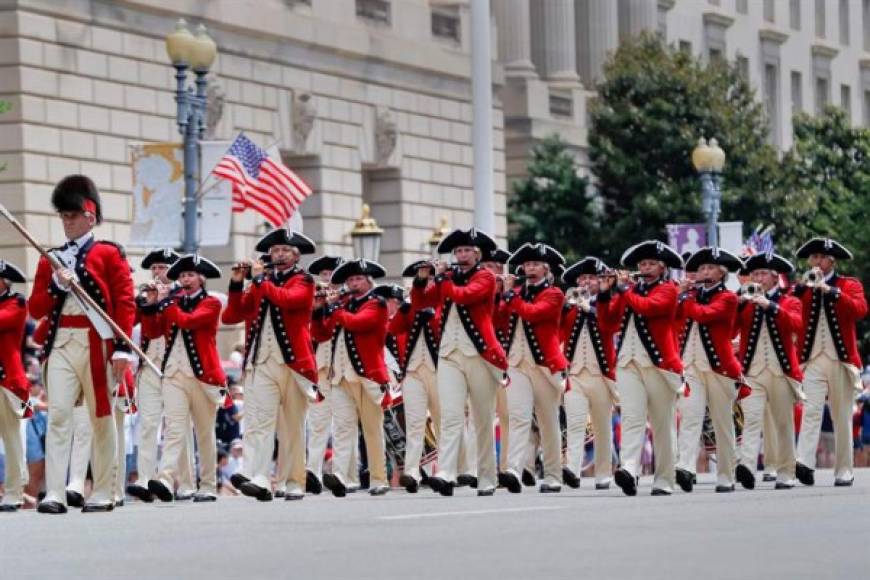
point(121, 355)
point(58, 283)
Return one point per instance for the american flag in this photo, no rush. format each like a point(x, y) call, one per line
point(261, 183)
point(760, 242)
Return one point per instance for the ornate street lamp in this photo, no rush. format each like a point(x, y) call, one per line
point(709, 159)
point(198, 53)
point(366, 236)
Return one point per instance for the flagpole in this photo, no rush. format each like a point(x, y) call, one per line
point(200, 192)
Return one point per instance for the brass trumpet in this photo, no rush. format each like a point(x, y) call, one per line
point(576, 295)
point(813, 277)
point(321, 289)
point(752, 289)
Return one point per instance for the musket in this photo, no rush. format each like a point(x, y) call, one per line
point(80, 293)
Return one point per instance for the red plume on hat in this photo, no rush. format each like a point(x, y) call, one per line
point(77, 193)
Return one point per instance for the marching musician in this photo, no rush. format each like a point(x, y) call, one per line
point(419, 320)
point(589, 348)
point(768, 320)
point(358, 373)
point(149, 392)
point(83, 357)
point(712, 371)
point(494, 260)
point(832, 305)
point(537, 370)
point(194, 383)
point(648, 366)
point(472, 363)
point(279, 358)
point(14, 404)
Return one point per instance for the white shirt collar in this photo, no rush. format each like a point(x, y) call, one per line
point(194, 295)
point(80, 242)
point(772, 292)
point(829, 276)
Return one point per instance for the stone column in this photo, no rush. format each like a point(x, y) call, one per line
point(553, 41)
point(636, 16)
point(597, 26)
point(514, 37)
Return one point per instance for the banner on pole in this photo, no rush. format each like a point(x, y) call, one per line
point(216, 197)
point(158, 188)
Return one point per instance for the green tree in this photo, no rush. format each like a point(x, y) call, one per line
point(654, 103)
point(551, 204)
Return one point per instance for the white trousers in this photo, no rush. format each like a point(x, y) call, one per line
point(462, 377)
point(352, 405)
point(82, 443)
point(319, 427)
point(67, 376)
point(503, 415)
point(275, 390)
point(420, 397)
point(834, 379)
point(531, 392)
point(772, 396)
point(648, 391)
point(589, 396)
point(185, 399)
point(13, 444)
point(708, 390)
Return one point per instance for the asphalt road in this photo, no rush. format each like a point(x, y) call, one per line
point(818, 532)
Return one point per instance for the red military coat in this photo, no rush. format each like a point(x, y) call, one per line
point(783, 321)
point(652, 309)
point(13, 316)
point(843, 308)
point(104, 274)
point(419, 319)
point(600, 331)
point(287, 297)
point(538, 309)
point(364, 321)
point(472, 295)
point(195, 321)
point(715, 313)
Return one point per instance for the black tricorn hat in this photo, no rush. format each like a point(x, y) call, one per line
point(77, 193)
point(472, 237)
point(193, 263)
point(538, 252)
point(411, 269)
point(495, 255)
point(651, 250)
point(166, 256)
point(825, 246)
point(716, 256)
point(286, 237)
point(359, 267)
point(11, 272)
point(324, 263)
point(390, 291)
point(588, 265)
point(768, 261)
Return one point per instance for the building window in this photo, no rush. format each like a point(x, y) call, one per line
point(794, 14)
point(769, 11)
point(844, 22)
point(446, 24)
point(797, 93)
point(686, 46)
point(846, 100)
point(822, 94)
point(771, 99)
point(821, 22)
point(715, 55)
point(743, 67)
point(374, 10)
point(743, 6)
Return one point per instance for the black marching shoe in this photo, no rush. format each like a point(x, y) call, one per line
point(486, 492)
point(162, 492)
point(251, 489)
point(659, 491)
point(92, 508)
point(202, 497)
point(409, 483)
point(783, 485)
point(685, 479)
point(465, 479)
point(51, 507)
point(279, 493)
point(844, 482)
point(804, 474)
point(599, 485)
point(74, 499)
point(312, 483)
point(141, 493)
point(184, 495)
point(509, 480)
point(768, 477)
point(529, 478)
point(238, 480)
point(441, 486)
point(550, 488)
point(8, 507)
point(745, 476)
point(334, 484)
point(722, 488)
point(292, 495)
point(570, 479)
point(626, 481)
